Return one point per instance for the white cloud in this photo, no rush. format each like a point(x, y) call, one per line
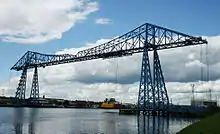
point(96, 79)
point(103, 21)
point(37, 21)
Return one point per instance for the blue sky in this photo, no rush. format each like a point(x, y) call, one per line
point(192, 17)
point(49, 26)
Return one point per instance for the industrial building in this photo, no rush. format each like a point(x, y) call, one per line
point(203, 103)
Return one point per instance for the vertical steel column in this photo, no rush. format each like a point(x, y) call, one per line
point(21, 89)
point(145, 97)
point(161, 95)
point(35, 86)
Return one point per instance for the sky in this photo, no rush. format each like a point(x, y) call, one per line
point(67, 26)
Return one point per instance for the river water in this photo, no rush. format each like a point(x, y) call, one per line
point(83, 121)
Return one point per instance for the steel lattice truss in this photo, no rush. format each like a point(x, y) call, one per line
point(132, 42)
point(152, 91)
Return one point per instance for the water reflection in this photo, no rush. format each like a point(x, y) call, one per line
point(72, 121)
point(110, 127)
point(20, 120)
point(152, 125)
point(31, 126)
point(161, 125)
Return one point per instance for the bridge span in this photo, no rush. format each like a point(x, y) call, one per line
point(147, 37)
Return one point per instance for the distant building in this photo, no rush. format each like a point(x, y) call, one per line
point(203, 103)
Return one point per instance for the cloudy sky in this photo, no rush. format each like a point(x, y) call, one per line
point(67, 26)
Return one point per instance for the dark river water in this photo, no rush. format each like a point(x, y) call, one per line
point(84, 121)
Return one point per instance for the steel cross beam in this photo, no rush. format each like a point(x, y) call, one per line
point(159, 38)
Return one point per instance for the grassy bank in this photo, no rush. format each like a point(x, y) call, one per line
point(208, 125)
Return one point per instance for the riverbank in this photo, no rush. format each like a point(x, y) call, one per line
point(178, 111)
point(208, 125)
point(58, 103)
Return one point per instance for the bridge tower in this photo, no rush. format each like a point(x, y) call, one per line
point(21, 89)
point(34, 96)
point(152, 95)
point(145, 95)
point(161, 99)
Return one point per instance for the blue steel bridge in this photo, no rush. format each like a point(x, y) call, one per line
point(152, 94)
